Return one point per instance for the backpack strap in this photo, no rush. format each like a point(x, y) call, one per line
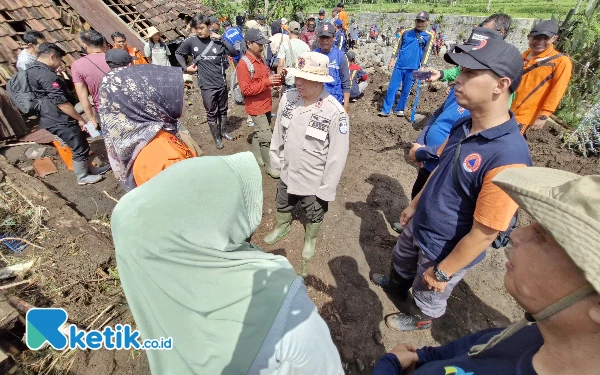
point(544, 81)
point(85, 57)
point(542, 63)
point(249, 65)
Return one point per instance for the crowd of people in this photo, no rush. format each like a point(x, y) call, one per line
point(186, 262)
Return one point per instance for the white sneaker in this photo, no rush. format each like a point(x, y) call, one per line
point(250, 123)
point(399, 113)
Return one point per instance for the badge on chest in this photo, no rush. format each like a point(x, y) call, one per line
point(318, 127)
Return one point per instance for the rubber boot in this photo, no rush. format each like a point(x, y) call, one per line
point(264, 151)
point(216, 133)
point(393, 284)
point(83, 176)
point(256, 150)
point(283, 223)
point(93, 170)
point(223, 126)
point(310, 242)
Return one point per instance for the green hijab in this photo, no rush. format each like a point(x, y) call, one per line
point(188, 271)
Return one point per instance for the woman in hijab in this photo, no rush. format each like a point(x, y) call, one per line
point(140, 107)
point(189, 273)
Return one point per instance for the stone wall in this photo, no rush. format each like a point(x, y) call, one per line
point(455, 27)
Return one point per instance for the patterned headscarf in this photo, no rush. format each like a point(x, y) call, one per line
point(136, 102)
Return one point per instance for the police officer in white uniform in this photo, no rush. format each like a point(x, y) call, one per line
point(310, 146)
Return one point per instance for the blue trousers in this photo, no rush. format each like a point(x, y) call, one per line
point(399, 77)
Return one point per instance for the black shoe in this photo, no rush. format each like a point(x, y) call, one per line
point(392, 288)
point(223, 129)
point(396, 286)
point(406, 323)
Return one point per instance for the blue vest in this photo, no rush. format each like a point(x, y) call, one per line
point(335, 61)
point(234, 37)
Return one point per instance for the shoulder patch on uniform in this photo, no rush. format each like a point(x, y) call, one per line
point(472, 162)
point(344, 125)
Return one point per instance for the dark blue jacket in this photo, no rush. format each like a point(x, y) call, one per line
point(511, 356)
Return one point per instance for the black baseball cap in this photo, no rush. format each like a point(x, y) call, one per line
point(481, 33)
point(255, 35)
point(326, 29)
point(213, 19)
point(260, 17)
point(351, 55)
point(422, 16)
point(226, 23)
point(496, 55)
point(322, 11)
point(548, 28)
point(118, 57)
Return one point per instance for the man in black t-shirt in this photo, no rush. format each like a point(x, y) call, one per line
point(208, 49)
point(57, 114)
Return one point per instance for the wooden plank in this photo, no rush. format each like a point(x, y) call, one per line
point(105, 21)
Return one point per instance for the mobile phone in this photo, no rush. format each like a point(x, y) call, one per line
point(421, 74)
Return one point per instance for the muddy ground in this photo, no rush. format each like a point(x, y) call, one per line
point(357, 238)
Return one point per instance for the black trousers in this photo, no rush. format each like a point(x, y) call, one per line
point(215, 102)
point(72, 135)
point(314, 207)
point(422, 177)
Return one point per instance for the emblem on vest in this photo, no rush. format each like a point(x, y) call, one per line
point(472, 162)
point(320, 123)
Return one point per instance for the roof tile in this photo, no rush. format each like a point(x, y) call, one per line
point(15, 15)
point(52, 13)
point(35, 13)
point(34, 24)
point(5, 29)
point(10, 43)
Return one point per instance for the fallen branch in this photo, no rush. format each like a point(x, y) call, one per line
point(22, 240)
point(108, 195)
point(107, 309)
point(114, 315)
point(9, 286)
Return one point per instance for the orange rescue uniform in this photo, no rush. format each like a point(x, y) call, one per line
point(543, 102)
point(138, 58)
point(162, 151)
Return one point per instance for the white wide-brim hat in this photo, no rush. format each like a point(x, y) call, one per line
point(312, 66)
point(566, 205)
point(151, 31)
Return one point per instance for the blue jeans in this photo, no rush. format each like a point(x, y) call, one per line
point(399, 77)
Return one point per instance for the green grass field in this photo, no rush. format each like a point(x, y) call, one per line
point(515, 8)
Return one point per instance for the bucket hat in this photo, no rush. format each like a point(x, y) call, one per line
point(312, 66)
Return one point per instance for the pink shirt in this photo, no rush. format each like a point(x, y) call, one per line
point(84, 71)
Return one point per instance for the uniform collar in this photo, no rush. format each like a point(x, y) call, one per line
point(41, 64)
point(253, 58)
point(542, 55)
point(498, 131)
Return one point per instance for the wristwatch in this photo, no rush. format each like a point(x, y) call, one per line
point(543, 118)
point(440, 275)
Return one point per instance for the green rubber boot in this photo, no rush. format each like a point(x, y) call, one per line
point(264, 150)
point(283, 221)
point(310, 242)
